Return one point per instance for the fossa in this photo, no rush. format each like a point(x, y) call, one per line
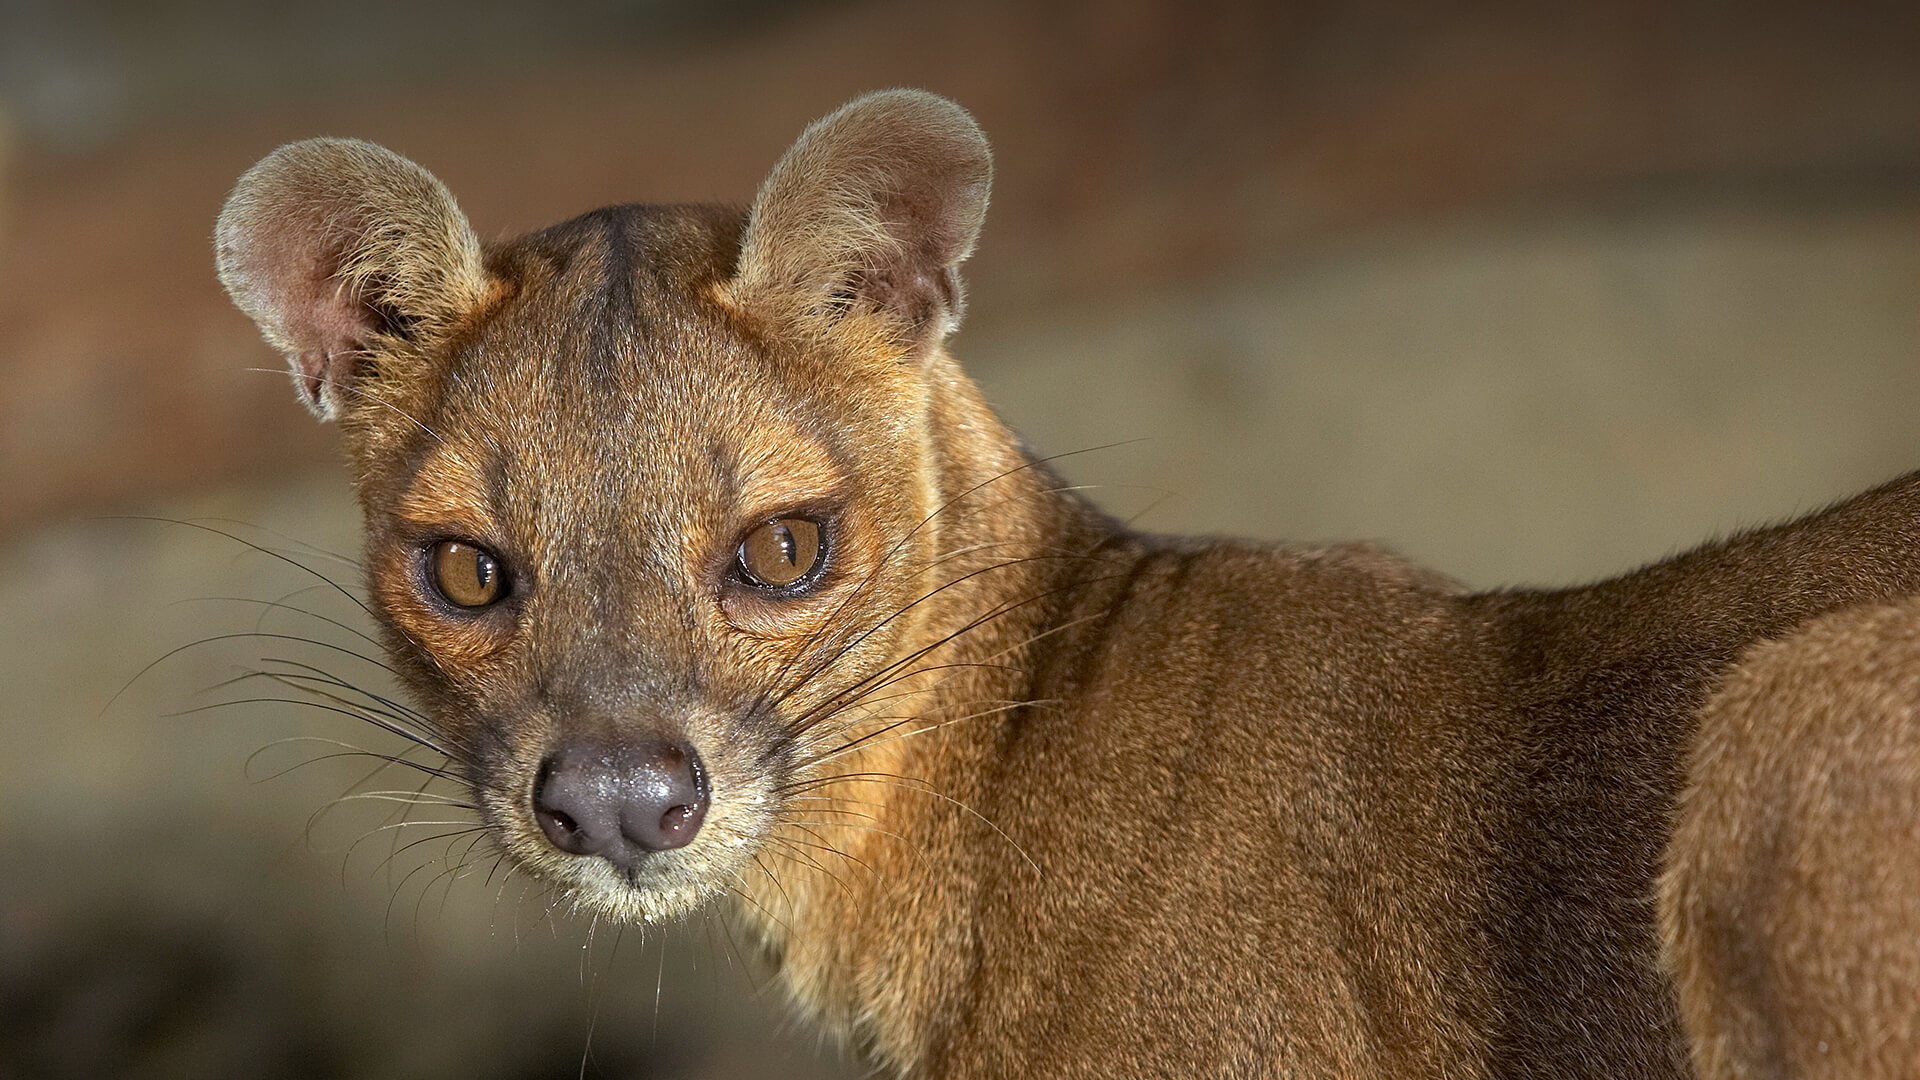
point(718, 582)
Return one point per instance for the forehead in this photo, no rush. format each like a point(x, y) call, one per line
point(614, 370)
point(609, 314)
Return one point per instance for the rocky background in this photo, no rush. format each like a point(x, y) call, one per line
point(1532, 292)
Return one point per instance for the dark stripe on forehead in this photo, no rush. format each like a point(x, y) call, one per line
point(721, 459)
point(498, 473)
point(592, 261)
point(608, 309)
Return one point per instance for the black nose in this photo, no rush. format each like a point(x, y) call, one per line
point(620, 800)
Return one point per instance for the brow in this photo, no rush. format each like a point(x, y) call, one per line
point(782, 467)
point(450, 490)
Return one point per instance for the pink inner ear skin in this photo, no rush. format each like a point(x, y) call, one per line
point(292, 276)
point(320, 314)
point(331, 330)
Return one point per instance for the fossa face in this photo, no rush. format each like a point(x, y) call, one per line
point(638, 557)
point(649, 508)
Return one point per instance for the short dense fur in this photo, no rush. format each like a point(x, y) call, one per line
point(1017, 791)
point(1791, 901)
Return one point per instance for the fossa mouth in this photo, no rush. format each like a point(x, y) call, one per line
point(635, 827)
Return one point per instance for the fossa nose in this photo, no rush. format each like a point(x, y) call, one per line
point(621, 800)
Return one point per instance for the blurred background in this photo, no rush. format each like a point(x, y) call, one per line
point(1533, 292)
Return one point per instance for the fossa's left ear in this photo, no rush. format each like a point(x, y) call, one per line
point(867, 217)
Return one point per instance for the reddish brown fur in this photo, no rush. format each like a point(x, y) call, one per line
point(1791, 901)
point(1016, 792)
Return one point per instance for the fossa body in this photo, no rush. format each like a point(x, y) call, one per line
point(718, 582)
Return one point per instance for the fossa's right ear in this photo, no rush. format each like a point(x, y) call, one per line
point(867, 218)
point(343, 251)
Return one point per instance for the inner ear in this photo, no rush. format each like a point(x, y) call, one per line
point(343, 253)
point(872, 210)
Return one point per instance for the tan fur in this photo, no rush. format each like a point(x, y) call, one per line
point(1011, 790)
point(1791, 900)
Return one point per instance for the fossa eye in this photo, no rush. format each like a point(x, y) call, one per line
point(466, 575)
point(781, 553)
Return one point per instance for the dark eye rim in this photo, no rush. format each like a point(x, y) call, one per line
point(809, 582)
point(424, 571)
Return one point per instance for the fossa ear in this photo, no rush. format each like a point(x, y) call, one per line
point(869, 216)
point(345, 252)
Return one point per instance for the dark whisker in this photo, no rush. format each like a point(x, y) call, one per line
point(828, 662)
point(744, 892)
point(349, 751)
point(357, 712)
point(1031, 639)
point(909, 783)
point(307, 547)
point(363, 393)
point(776, 844)
point(776, 883)
point(393, 706)
point(826, 620)
point(873, 738)
point(280, 605)
point(382, 706)
point(269, 552)
point(832, 702)
point(173, 652)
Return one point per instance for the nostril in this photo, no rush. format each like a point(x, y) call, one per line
point(683, 821)
point(561, 798)
point(672, 802)
point(621, 800)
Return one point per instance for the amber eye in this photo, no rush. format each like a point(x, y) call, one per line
point(779, 553)
point(467, 575)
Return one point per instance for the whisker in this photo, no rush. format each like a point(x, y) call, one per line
point(827, 619)
point(412, 798)
point(746, 893)
point(349, 751)
point(830, 661)
point(316, 674)
point(173, 652)
point(430, 732)
point(911, 846)
point(269, 552)
point(1031, 639)
point(307, 547)
point(278, 605)
point(356, 712)
point(775, 846)
point(363, 393)
point(856, 744)
point(831, 703)
point(924, 788)
point(776, 883)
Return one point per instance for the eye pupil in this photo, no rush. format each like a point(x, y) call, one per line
point(779, 553)
point(467, 575)
point(788, 548)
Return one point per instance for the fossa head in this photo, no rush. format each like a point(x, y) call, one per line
point(645, 492)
